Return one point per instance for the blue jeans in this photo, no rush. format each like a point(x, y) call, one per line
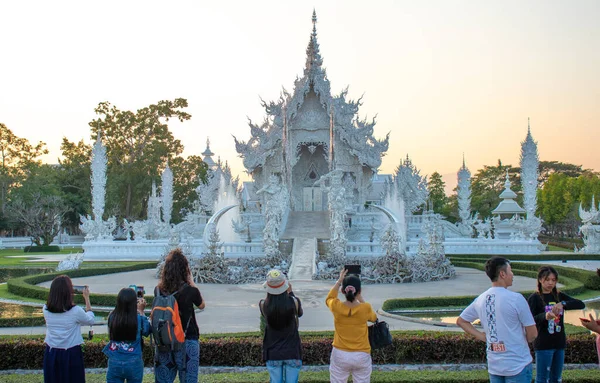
point(131, 369)
point(549, 365)
point(522, 377)
point(185, 361)
point(282, 371)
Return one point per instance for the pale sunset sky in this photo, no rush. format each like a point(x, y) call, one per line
point(444, 77)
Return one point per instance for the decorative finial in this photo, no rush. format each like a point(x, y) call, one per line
point(464, 166)
point(314, 20)
point(528, 126)
point(207, 142)
point(507, 183)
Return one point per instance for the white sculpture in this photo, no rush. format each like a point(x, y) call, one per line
point(71, 262)
point(465, 226)
point(529, 162)
point(337, 209)
point(167, 194)
point(412, 187)
point(590, 229)
point(276, 203)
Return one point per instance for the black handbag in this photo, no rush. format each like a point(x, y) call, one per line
point(379, 335)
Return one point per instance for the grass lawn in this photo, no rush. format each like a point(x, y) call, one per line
point(579, 376)
point(7, 257)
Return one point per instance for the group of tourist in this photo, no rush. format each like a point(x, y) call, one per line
point(509, 324)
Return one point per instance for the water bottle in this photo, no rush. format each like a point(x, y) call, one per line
point(550, 321)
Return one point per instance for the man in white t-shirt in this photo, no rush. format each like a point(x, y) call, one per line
point(508, 326)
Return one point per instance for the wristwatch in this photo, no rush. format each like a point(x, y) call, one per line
point(563, 303)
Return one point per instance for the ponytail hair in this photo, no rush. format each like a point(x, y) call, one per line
point(351, 287)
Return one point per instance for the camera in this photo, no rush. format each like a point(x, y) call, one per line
point(139, 290)
point(78, 289)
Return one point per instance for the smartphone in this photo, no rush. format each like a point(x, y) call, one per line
point(139, 290)
point(353, 269)
point(78, 289)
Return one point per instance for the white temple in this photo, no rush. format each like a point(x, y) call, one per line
point(314, 165)
point(308, 133)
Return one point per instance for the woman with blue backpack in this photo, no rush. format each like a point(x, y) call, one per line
point(127, 324)
point(173, 320)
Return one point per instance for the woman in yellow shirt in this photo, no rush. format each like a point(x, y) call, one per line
point(351, 352)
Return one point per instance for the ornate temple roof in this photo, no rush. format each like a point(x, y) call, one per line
point(356, 134)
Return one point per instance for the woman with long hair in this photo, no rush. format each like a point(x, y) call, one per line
point(282, 350)
point(176, 278)
point(126, 326)
point(351, 353)
point(63, 357)
point(547, 306)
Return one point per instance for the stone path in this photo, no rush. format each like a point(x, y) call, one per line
point(305, 227)
point(234, 308)
point(303, 259)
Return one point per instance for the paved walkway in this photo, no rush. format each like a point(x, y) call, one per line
point(233, 308)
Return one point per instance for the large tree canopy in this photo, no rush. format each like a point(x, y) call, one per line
point(488, 183)
point(74, 181)
point(17, 156)
point(138, 146)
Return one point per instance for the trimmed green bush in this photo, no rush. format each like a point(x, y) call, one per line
point(7, 273)
point(407, 348)
point(41, 249)
point(26, 286)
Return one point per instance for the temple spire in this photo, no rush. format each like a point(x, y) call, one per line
point(313, 57)
point(208, 156)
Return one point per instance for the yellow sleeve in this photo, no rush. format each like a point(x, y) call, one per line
point(372, 314)
point(331, 297)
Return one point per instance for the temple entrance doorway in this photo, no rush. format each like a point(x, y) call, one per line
point(312, 199)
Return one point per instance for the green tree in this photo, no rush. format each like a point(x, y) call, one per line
point(37, 204)
point(138, 146)
point(17, 156)
point(488, 183)
point(187, 175)
point(559, 199)
point(437, 192)
point(74, 180)
point(548, 168)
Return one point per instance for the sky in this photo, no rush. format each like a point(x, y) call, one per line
point(446, 77)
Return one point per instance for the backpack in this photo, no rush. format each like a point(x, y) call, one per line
point(167, 330)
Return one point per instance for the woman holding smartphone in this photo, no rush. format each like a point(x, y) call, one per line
point(351, 353)
point(63, 357)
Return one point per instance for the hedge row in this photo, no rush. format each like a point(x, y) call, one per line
point(22, 322)
point(407, 348)
point(26, 286)
point(569, 277)
point(7, 273)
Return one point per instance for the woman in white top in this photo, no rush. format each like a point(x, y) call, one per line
point(63, 358)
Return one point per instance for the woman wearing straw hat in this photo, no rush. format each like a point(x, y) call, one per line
point(351, 353)
point(281, 344)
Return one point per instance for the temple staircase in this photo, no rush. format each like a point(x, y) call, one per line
point(304, 227)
